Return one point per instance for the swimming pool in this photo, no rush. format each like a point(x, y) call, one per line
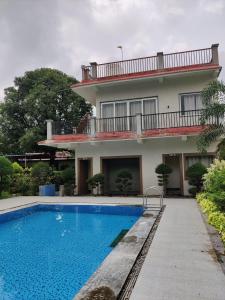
point(49, 251)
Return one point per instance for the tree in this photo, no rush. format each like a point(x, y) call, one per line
point(5, 171)
point(35, 97)
point(163, 172)
point(214, 100)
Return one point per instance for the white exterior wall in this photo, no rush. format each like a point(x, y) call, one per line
point(151, 152)
point(167, 91)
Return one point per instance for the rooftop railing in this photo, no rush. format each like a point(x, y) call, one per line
point(152, 63)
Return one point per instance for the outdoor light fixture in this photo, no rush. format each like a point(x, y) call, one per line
point(121, 48)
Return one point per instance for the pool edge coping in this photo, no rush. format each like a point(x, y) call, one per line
point(108, 280)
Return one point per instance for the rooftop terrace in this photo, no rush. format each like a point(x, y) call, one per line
point(178, 61)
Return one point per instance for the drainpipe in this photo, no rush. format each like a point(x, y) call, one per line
point(49, 129)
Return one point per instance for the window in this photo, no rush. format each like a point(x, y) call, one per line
point(190, 102)
point(128, 108)
point(107, 110)
point(206, 160)
point(116, 114)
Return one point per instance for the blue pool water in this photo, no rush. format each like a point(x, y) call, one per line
point(48, 252)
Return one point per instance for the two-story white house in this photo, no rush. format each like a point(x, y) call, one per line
point(147, 112)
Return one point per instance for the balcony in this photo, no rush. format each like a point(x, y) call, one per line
point(149, 65)
point(177, 123)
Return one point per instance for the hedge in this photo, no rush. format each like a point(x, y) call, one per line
point(214, 215)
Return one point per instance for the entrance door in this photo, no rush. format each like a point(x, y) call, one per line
point(113, 166)
point(84, 172)
point(175, 180)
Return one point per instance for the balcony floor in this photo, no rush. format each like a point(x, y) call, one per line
point(125, 135)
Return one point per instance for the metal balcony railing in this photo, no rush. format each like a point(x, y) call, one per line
point(155, 121)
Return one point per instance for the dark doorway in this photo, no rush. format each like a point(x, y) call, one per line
point(84, 172)
point(111, 167)
point(175, 180)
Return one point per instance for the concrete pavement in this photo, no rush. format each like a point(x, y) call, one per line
point(181, 264)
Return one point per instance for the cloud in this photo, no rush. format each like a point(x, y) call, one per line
point(66, 34)
point(214, 7)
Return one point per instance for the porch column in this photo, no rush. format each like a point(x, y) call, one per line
point(160, 61)
point(92, 126)
point(215, 56)
point(49, 129)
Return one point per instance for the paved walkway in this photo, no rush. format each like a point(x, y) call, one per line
point(181, 263)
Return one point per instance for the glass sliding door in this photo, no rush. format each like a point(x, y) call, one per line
point(106, 123)
point(135, 108)
point(121, 116)
point(149, 112)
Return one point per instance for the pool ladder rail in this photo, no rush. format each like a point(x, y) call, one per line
point(149, 193)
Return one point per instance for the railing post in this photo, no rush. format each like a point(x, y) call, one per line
point(138, 124)
point(92, 125)
point(49, 129)
point(215, 56)
point(160, 61)
point(93, 70)
point(85, 75)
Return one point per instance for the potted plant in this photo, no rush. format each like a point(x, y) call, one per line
point(124, 181)
point(195, 177)
point(42, 175)
point(163, 172)
point(95, 183)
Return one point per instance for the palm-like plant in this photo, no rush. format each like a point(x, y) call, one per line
point(214, 100)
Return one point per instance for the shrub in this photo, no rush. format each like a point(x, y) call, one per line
point(42, 173)
point(192, 191)
point(163, 172)
point(58, 178)
point(69, 189)
point(6, 171)
point(124, 181)
point(17, 169)
point(214, 183)
point(97, 182)
point(195, 177)
point(215, 217)
point(68, 175)
point(4, 195)
point(68, 179)
point(22, 182)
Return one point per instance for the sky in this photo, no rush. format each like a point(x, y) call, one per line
point(64, 34)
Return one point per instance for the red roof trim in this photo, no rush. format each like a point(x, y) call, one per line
point(147, 74)
point(125, 135)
